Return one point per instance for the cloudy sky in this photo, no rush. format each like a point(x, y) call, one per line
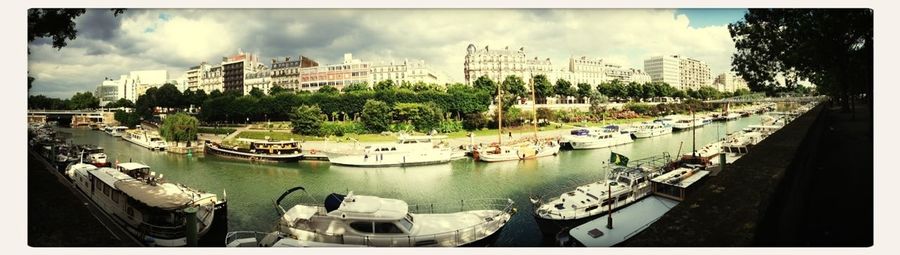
point(145, 39)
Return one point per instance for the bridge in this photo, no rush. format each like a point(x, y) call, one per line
point(761, 98)
point(75, 118)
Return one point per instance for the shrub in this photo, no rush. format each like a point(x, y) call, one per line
point(475, 121)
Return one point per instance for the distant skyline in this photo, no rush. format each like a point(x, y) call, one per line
point(176, 39)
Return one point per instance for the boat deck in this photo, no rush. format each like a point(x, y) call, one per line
point(627, 222)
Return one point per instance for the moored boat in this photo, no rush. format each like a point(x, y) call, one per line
point(269, 151)
point(407, 151)
point(595, 138)
point(145, 139)
point(148, 207)
point(651, 129)
point(374, 221)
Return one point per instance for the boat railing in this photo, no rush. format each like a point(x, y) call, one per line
point(237, 235)
point(501, 204)
point(175, 231)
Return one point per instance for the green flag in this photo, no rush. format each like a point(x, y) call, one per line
point(618, 159)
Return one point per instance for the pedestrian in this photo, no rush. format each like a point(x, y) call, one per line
point(510, 134)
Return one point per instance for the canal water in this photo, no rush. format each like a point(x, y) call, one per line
point(252, 188)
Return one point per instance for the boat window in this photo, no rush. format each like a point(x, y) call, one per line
point(362, 226)
point(387, 228)
point(592, 196)
point(607, 202)
point(625, 181)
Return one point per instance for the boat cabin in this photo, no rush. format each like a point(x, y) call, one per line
point(678, 183)
point(363, 215)
point(280, 147)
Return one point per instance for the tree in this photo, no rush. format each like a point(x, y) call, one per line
point(128, 119)
point(122, 102)
point(832, 48)
point(179, 127)
point(514, 86)
point(485, 84)
point(564, 88)
point(356, 86)
point(84, 100)
point(385, 85)
point(274, 90)
point(168, 96)
point(306, 120)
point(257, 92)
point(376, 116)
point(424, 117)
point(542, 87)
point(328, 90)
point(584, 90)
point(58, 24)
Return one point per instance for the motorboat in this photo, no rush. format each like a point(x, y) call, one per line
point(385, 222)
point(116, 131)
point(147, 206)
point(269, 151)
point(687, 123)
point(407, 151)
point(93, 154)
point(145, 139)
point(623, 186)
point(651, 129)
point(595, 138)
point(737, 145)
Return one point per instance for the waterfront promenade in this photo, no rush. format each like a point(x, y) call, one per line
point(810, 184)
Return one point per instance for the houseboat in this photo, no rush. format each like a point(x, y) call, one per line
point(268, 151)
point(595, 138)
point(145, 139)
point(151, 209)
point(407, 151)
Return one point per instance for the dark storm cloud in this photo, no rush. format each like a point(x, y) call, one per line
point(99, 24)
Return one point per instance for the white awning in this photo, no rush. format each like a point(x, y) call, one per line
point(164, 196)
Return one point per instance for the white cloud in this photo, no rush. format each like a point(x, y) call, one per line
point(182, 38)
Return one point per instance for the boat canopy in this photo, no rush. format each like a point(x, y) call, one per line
point(130, 166)
point(165, 196)
point(300, 212)
point(333, 201)
point(109, 176)
point(370, 207)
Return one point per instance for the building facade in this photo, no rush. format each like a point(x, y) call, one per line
point(286, 74)
point(337, 75)
point(211, 80)
point(728, 82)
point(500, 63)
point(406, 71)
point(127, 85)
point(597, 71)
point(678, 71)
point(234, 69)
point(261, 79)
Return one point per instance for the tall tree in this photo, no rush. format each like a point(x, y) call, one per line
point(179, 127)
point(306, 120)
point(356, 86)
point(542, 87)
point(376, 116)
point(385, 85)
point(84, 100)
point(830, 47)
point(564, 88)
point(485, 83)
point(331, 90)
point(514, 85)
point(584, 90)
point(168, 96)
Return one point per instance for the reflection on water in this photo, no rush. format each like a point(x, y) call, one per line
point(252, 187)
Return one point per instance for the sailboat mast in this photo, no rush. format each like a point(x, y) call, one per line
point(499, 115)
point(533, 109)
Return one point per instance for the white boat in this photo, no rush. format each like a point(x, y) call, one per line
point(407, 151)
point(374, 221)
point(732, 116)
point(626, 184)
point(521, 151)
point(651, 129)
point(687, 123)
point(93, 154)
point(271, 239)
point(737, 145)
point(595, 138)
point(145, 139)
point(116, 131)
point(149, 208)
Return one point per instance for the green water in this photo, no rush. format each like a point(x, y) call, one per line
point(251, 188)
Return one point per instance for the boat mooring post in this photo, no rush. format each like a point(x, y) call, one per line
point(191, 214)
point(722, 161)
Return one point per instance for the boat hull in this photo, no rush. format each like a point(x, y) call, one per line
point(221, 152)
point(651, 132)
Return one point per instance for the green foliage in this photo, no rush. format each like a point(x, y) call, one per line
point(486, 85)
point(331, 90)
point(340, 128)
point(475, 121)
point(216, 130)
point(84, 100)
point(542, 88)
point(514, 86)
point(179, 127)
point(306, 120)
point(584, 90)
point(128, 119)
point(356, 86)
point(168, 96)
point(257, 93)
point(639, 108)
point(546, 114)
point(385, 85)
point(564, 88)
point(46, 103)
point(275, 90)
point(833, 48)
point(122, 102)
point(450, 126)
point(423, 117)
point(376, 116)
